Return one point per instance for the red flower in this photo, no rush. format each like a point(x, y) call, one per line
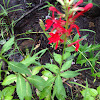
point(53, 9)
point(77, 44)
point(78, 3)
point(86, 8)
point(53, 21)
point(48, 24)
point(73, 26)
point(55, 38)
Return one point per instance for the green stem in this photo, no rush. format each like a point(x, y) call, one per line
point(66, 26)
point(85, 58)
point(30, 33)
point(4, 58)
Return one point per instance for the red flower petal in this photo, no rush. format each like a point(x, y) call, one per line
point(48, 24)
point(77, 46)
point(86, 8)
point(53, 9)
point(78, 3)
point(74, 26)
point(75, 42)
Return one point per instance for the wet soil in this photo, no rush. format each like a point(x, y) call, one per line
point(29, 22)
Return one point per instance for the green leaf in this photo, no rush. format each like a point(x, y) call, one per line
point(66, 65)
point(28, 95)
point(81, 62)
point(9, 79)
point(87, 30)
point(76, 37)
point(8, 91)
point(47, 74)
point(28, 61)
point(8, 97)
point(98, 89)
point(48, 97)
point(36, 70)
point(49, 81)
point(66, 55)
point(31, 60)
point(93, 92)
point(77, 84)
point(52, 67)
point(89, 92)
point(89, 98)
point(18, 67)
point(60, 90)
point(58, 58)
point(70, 49)
point(45, 92)
point(7, 45)
point(37, 81)
point(69, 74)
point(20, 87)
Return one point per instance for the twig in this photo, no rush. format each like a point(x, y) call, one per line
point(30, 11)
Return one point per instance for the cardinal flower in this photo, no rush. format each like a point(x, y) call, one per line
point(85, 9)
point(73, 26)
point(55, 38)
point(77, 44)
point(54, 21)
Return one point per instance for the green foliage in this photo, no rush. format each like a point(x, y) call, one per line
point(7, 92)
point(20, 87)
point(69, 74)
point(9, 79)
point(60, 90)
point(7, 45)
point(28, 91)
point(47, 73)
point(36, 70)
point(37, 81)
point(66, 65)
point(46, 93)
point(48, 78)
point(18, 67)
point(58, 58)
point(52, 67)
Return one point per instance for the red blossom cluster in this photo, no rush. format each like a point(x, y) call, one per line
point(59, 25)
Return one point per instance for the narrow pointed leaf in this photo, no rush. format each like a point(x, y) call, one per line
point(52, 67)
point(47, 73)
point(69, 74)
point(18, 67)
point(7, 45)
point(9, 79)
point(8, 91)
point(49, 81)
point(58, 58)
point(20, 87)
point(45, 92)
point(36, 70)
point(37, 81)
point(60, 90)
point(31, 60)
point(66, 55)
point(8, 97)
point(66, 65)
point(28, 95)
